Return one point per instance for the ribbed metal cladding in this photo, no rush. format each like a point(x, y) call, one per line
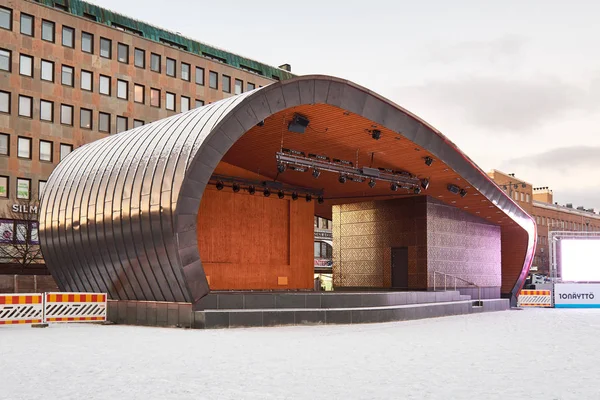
point(119, 215)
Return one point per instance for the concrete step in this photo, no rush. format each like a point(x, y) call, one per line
point(210, 319)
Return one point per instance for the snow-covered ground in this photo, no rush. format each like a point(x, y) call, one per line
point(528, 354)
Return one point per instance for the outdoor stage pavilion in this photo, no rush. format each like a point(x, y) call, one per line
point(223, 197)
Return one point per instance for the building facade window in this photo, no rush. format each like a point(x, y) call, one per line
point(26, 65)
point(170, 101)
point(139, 58)
point(199, 103)
point(185, 71)
point(5, 60)
point(68, 36)
point(122, 89)
point(155, 97)
point(104, 122)
point(65, 150)
point(213, 80)
point(4, 102)
point(48, 31)
point(527, 198)
point(105, 48)
point(138, 93)
point(171, 65)
point(66, 114)
point(85, 118)
point(155, 62)
point(200, 76)
point(87, 42)
point(41, 187)
point(4, 144)
point(4, 186)
point(25, 106)
point(66, 76)
point(104, 85)
point(184, 104)
point(45, 150)
point(250, 86)
point(23, 188)
point(46, 110)
point(121, 124)
point(47, 70)
point(27, 24)
point(239, 86)
point(6, 18)
point(87, 80)
point(24, 147)
point(226, 84)
point(123, 53)
point(137, 123)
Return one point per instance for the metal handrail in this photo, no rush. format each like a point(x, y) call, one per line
point(455, 279)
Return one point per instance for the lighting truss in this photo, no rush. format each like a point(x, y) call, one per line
point(297, 161)
point(554, 237)
point(273, 186)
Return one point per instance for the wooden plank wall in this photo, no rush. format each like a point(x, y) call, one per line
point(254, 242)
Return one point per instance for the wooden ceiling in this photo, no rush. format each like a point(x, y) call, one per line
point(338, 134)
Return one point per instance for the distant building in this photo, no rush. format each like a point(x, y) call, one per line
point(549, 216)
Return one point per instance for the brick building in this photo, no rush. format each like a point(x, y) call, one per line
point(549, 215)
point(72, 73)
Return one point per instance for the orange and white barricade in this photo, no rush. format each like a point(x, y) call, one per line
point(534, 298)
point(75, 307)
point(22, 308)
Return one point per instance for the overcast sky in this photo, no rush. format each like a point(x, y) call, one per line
point(514, 83)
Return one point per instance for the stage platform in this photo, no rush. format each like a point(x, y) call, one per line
point(262, 309)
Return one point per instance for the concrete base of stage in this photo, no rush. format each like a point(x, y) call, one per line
point(256, 309)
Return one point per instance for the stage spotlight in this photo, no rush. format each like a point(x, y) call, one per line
point(453, 188)
point(281, 168)
point(308, 198)
point(376, 134)
point(462, 192)
point(342, 179)
point(266, 192)
point(417, 190)
point(298, 124)
point(261, 123)
point(251, 189)
point(316, 173)
point(425, 183)
point(220, 185)
point(428, 161)
point(372, 183)
point(320, 199)
point(236, 188)
point(280, 194)
point(294, 195)
point(393, 187)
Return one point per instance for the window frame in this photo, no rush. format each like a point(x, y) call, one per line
point(51, 150)
point(119, 46)
point(91, 50)
point(28, 191)
point(103, 39)
point(30, 106)
point(121, 118)
point(83, 71)
point(10, 18)
point(167, 101)
point(235, 86)
point(22, 14)
point(119, 81)
point(45, 21)
point(136, 85)
point(62, 36)
point(91, 114)
point(202, 75)
point(62, 67)
point(155, 55)
point(189, 71)
point(9, 70)
point(30, 150)
point(159, 99)
point(216, 75)
point(52, 64)
point(248, 86)
point(100, 114)
point(40, 181)
point(7, 195)
point(100, 85)
point(202, 103)
point(51, 120)
point(31, 58)
point(60, 155)
point(174, 75)
point(138, 126)
point(61, 114)
point(135, 52)
point(7, 136)
point(9, 97)
point(189, 103)
point(223, 86)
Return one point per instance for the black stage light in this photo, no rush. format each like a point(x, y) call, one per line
point(376, 134)
point(462, 192)
point(393, 187)
point(320, 199)
point(251, 189)
point(428, 161)
point(425, 183)
point(236, 187)
point(453, 188)
point(294, 195)
point(308, 198)
point(266, 192)
point(316, 173)
point(261, 123)
point(298, 124)
point(372, 183)
point(342, 179)
point(280, 194)
point(417, 190)
point(281, 168)
point(220, 185)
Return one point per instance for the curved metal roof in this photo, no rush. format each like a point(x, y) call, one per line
point(119, 215)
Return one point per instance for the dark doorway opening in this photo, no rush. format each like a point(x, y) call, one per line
point(400, 267)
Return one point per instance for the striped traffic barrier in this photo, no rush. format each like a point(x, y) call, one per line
point(75, 307)
point(22, 308)
point(534, 298)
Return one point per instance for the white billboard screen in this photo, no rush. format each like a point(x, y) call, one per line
point(580, 260)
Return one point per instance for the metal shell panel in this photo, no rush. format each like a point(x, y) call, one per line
point(119, 215)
